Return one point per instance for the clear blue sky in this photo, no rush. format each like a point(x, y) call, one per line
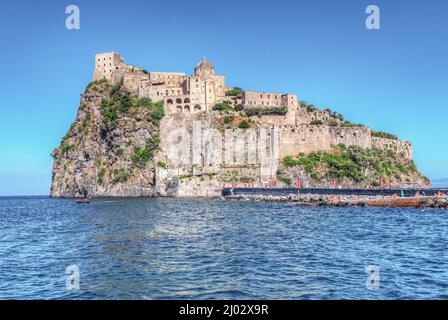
point(394, 79)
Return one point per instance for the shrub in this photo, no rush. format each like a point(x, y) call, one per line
point(153, 142)
point(85, 122)
point(311, 108)
point(259, 111)
point(382, 134)
point(283, 177)
point(316, 123)
point(94, 84)
point(66, 147)
point(239, 107)
point(244, 125)
point(223, 106)
point(228, 119)
point(234, 92)
point(101, 174)
point(121, 175)
point(157, 112)
point(109, 113)
point(145, 102)
point(288, 161)
point(161, 164)
point(145, 71)
point(68, 134)
point(350, 124)
point(120, 152)
point(333, 123)
point(120, 101)
point(141, 156)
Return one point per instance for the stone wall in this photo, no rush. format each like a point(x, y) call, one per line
point(305, 117)
point(202, 179)
point(107, 65)
point(268, 99)
point(351, 136)
point(306, 139)
point(403, 148)
point(170, 79)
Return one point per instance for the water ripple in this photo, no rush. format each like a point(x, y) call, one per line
point(214, 249)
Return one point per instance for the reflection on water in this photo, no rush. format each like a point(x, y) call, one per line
point(216, 249)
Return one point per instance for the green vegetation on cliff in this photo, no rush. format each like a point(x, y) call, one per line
point(347, 123)
point(101, 174)
point(96, 85)
point(316, 123)
point(352, 162)
point(234, 92)
point(120, 175)
point(226, 107)
point(382, 134)
point(141, 156)
point(244, 125)
point(260, 111)
point(161, 164)
point(105, 146)
point(121, 101)
point(223, 107)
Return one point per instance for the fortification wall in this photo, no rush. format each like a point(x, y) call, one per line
point(134, 82)
point(404, 148)
point(305, 117)
point(351, 136)
point(306, 139)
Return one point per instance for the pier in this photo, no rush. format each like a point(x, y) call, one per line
point(418, 198)
point(333, 191)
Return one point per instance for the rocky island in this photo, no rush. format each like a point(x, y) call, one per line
point(143, 133)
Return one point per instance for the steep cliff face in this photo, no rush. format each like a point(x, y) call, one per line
point(109, 149)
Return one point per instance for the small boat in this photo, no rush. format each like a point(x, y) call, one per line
point(83, 200)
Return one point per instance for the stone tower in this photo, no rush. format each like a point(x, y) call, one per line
point(110, 66)
point(205, 85)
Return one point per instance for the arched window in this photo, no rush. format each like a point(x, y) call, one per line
point(187, 109)
point(186, 100)
point(169, 101)
point(178, 100)
point(197, 108)
point(179, 109)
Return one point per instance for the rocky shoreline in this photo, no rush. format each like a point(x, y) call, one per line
point(440, 201)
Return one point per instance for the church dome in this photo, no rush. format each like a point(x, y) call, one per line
point(204, 67)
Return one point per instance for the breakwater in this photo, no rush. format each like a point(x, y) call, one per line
point(328, 191)
point(427, 198)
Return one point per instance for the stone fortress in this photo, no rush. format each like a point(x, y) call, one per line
point(209, 136)
point(189, 99)
point(204, 89)
point(182, 93)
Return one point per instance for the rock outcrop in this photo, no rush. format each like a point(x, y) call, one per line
point(122, 145)
point(107, 152)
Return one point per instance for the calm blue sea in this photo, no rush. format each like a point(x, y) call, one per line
point(217, 249)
